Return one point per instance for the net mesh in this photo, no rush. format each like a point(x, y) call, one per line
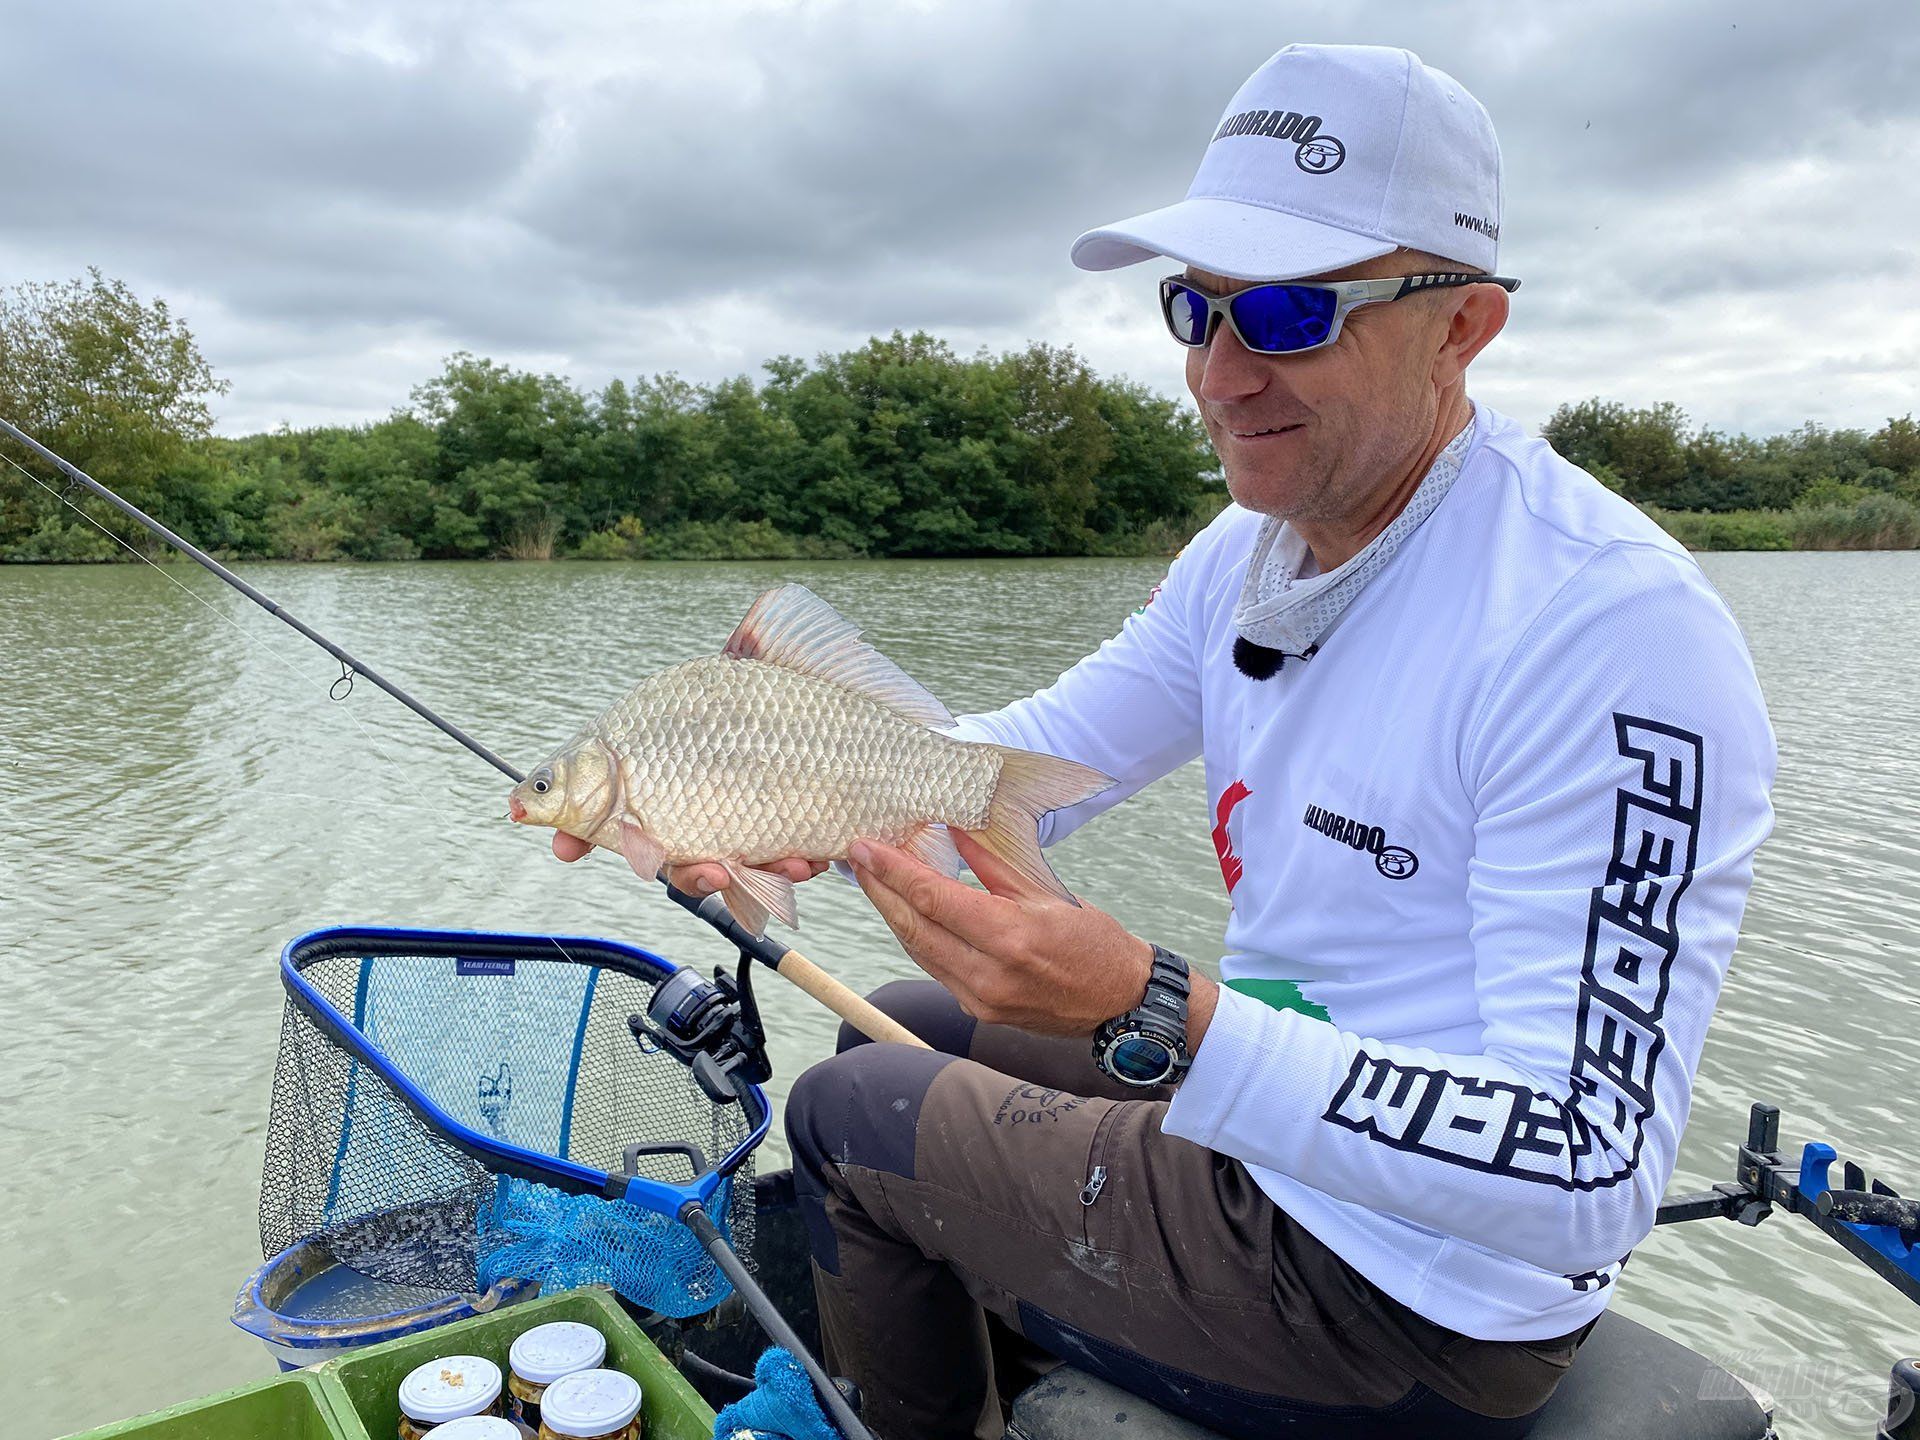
point(533, 1050)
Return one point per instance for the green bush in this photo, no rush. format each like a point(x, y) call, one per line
point(755, 540)
point(898, 447)
point(58, 542)
point(624, 541)
point(1725, 530)
point(1165, 538)
point(1827, 491)
point(1654, 457)
point(1874, 522)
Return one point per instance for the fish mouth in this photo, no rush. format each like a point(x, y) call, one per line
point(516, 809)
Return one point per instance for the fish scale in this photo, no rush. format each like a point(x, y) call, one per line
point(795, 741)
point(766, 790)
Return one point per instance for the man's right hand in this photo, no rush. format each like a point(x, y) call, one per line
point(703, 878)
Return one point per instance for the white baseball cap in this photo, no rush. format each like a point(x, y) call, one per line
point(1327, 156)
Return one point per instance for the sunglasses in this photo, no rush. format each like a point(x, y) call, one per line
point(1293, 315)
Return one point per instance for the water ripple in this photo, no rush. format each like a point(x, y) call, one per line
point(182, 798)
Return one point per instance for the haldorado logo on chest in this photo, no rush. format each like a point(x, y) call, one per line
point(1396, 862)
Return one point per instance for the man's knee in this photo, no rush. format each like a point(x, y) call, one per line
point(924, 1007)
point(861, 1109)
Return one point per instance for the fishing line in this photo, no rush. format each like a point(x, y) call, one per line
point(421, 797)
point(789, 964)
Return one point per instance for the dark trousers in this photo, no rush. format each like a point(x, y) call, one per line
point(1003, 1176)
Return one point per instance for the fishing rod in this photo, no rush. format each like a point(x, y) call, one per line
point(788, 963)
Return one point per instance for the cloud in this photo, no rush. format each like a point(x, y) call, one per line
point(1706, 202)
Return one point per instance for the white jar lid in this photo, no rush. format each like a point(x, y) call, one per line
point(560, 1347)
point(590, 1402)
point(477, 1427)
point(448, 1388)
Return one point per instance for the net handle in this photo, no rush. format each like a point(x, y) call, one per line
point(771, 1321)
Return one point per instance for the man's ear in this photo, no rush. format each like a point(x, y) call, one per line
point(1479, 314)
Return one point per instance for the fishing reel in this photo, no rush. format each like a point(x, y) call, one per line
point(712, 1026)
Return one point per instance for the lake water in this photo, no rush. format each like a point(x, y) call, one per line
point(181, 797)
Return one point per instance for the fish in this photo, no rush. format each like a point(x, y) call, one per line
point(795, 740)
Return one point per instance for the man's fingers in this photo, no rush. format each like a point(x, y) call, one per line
point(968, 913)
point(942, 954)
point(702, 878)
point(798, 871)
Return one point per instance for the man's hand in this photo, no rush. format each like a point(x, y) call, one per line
point(701, 879)
point(1015, 955)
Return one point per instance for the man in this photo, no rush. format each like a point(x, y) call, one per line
point(1487, 766)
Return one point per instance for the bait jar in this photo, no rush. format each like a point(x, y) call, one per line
point(591, 1405)
point(446, 1389)
point(544, 1354)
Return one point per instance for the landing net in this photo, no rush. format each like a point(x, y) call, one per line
point(415, 1066)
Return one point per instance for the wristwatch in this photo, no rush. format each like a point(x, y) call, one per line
point(1148, 1045)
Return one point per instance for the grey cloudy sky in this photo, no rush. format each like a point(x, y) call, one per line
point(1712, 203)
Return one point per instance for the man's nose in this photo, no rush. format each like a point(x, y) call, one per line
point(1230, 370)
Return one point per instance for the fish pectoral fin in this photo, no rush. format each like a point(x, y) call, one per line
point(643, 852)
point(933, 845)
point(794, 628)
point(769, 893)
point(751, 914)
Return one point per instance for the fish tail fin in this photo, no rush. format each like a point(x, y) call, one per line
point(1031, 785)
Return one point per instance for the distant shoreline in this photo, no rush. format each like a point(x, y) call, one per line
point(1881, 523)
point(1818, 528)
point(899, 447)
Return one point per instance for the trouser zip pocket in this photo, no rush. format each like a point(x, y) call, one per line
point(1096, 1182)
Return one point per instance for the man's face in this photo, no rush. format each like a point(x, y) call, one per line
point(1308, 437)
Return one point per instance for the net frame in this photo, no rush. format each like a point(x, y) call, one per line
point(453, 1179)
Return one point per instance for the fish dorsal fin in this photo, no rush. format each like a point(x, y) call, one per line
point(794, 628)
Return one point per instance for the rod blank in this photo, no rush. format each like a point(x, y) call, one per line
point(830, 992)
point(763, 1309)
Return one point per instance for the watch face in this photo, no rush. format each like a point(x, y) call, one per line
point(1140, 1059)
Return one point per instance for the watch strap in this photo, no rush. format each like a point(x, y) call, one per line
point(1161, 1013)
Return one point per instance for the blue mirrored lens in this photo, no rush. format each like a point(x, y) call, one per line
point(1186, 315)
point(1279, 318)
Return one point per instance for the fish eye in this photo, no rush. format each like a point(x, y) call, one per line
point(542, 781)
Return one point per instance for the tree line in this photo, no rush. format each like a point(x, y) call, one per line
point(899, 447)
point(1809, 489)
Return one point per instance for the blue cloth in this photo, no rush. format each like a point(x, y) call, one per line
point(782, 1407)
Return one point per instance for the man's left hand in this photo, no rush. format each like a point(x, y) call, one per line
point(1013, 955)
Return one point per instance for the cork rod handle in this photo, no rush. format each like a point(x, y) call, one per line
point(857, 1011)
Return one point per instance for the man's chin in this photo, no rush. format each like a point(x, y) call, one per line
point(1268, 493)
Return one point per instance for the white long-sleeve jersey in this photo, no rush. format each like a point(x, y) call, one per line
point(1487, 852)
